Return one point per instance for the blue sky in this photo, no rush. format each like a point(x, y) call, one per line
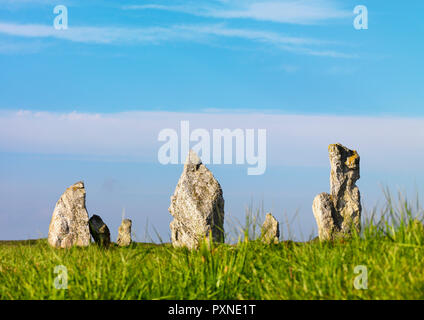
point(123, 57)
point(88, 102)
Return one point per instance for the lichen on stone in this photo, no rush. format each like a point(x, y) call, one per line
point(339, 213)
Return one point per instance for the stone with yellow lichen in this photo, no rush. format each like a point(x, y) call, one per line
point(339, 213)
point(270, 232)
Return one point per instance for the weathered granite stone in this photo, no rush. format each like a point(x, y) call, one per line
point(338, 214)
point(270, 232)
point(325, 215)
point(99, 231)
point(197, 206)
point(124, 233)
point(69, 224)
point(346, 196)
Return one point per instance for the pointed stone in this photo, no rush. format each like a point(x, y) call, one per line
point(270, 232)
point(338, 214)
point(124, 233)
point(69, 224)
point(193, 159)
point(99, 231)
point(197, 206)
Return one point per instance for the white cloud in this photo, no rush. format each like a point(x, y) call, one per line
point(263, 36)
point(113, 35)
point(281, 11)
point(293, 140)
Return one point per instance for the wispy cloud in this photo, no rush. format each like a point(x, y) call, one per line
point(117, 35)
point(102, 35)
point(281, 11)
point(8, 47)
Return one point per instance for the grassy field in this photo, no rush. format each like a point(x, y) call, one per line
point(392, 251)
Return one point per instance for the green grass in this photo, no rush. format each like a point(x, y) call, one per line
point(392, 249)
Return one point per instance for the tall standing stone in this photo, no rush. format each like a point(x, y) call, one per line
point(338, 214)
point(197, 206)
point(124, 233)
point(69, 224)
point(270, 232)
point(99, 231)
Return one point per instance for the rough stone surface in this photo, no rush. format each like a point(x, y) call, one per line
point(338, 214)
point(346, 196)
point(325, 215)
point(99, 231)
point(69, 224)
point(124, 233)
point(270, 232)
point(197, 206)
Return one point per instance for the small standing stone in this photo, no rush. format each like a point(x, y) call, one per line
point(99, 231)
point(270, 232)
point(69, 224)
point(197, 206)
point(124, 233)
point(338, 214)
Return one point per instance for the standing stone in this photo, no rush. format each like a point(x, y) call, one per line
point(326, 216)
point(99, 231)
point(69, 224)
point(338, 214)
point(197, 206)
point(346, 196)
point(124, 233)
point(270, 232)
